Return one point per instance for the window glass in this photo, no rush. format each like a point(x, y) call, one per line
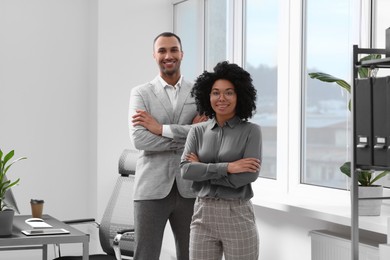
point(216, 32)
point(187, 17)
point(261, 43)
point(325, 131)
point(381, 22)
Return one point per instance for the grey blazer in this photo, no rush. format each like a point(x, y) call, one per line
point(158, 164)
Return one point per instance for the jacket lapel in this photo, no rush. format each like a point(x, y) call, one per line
point(183, 95)
point(162, 97)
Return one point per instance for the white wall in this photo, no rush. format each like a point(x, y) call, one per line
point(285, 236)
point(47, 105)
point(66, 70)
point(44, 99)
point(125, 46)
point(125, 35)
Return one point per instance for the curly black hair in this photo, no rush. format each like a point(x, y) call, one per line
point(242, 82)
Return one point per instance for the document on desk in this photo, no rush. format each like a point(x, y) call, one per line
point(37, 223)
point(43, 232)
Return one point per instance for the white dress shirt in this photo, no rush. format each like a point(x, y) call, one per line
point(173, 93)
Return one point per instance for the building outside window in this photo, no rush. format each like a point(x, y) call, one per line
point(326, 40)
point(325, 124)
point(260, 60)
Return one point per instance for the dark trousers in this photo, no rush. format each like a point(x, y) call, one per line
point(150, 218)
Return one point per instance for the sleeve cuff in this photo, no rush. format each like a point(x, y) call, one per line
point(220, 169)
point(166, 131)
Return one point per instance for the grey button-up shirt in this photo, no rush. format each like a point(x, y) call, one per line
point(215, 147)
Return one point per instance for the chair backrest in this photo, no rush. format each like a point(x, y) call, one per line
point(119, 213)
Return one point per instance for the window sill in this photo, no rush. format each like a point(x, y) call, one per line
point(337, 211)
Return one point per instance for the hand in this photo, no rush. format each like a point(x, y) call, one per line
point(244, 165)
point(144, 119)
point(199, 118)
point(192, 157)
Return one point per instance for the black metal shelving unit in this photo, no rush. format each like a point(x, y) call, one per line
point(379, 63)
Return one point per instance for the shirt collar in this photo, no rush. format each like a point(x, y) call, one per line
point(231, 123)
point(164, 83)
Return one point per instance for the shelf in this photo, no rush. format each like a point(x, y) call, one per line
point(375, 198)
point(375, 168)
point(379, 63)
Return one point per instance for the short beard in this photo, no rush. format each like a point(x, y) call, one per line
point(169, 72)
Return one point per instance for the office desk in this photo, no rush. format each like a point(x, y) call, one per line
point(19, 241)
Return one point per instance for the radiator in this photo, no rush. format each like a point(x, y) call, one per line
point(327, 245)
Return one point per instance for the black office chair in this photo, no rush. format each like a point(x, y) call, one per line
point(116, 230)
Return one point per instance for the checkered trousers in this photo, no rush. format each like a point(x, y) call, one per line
point(223, 227)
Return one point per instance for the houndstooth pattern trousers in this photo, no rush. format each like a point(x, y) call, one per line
point(223, 227)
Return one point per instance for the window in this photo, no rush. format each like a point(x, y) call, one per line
point(216, 32)
point(325, 126)
point(305, 121)
point(381, 23)
point(188, 22)
point(261, 43)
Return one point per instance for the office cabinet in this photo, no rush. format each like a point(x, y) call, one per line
point(372, 111)
point(370, 129)
point(381, 124)
point(363, 124)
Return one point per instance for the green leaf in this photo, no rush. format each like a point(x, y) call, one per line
point(21, 158)
point(329, 78)
point(6, 184)
point(8, 156)
point(364, 178)
point(365, 72)
point(381, 175)
point(12, 184)
point(371, 57)
point(346, 168)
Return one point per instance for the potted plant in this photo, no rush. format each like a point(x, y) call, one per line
point(6, 213)
point(366, 178)
point(367, 189)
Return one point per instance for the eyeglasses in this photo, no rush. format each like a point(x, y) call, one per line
point(227, 94)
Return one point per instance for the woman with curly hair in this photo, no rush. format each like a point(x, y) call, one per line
point(223, 157)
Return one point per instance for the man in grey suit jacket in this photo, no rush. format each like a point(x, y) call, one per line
point(161, 113)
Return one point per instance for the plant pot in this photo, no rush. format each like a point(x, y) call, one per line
point(370, 207)
point(6, 222)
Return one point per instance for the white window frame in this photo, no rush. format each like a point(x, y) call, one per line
point(288, 186)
